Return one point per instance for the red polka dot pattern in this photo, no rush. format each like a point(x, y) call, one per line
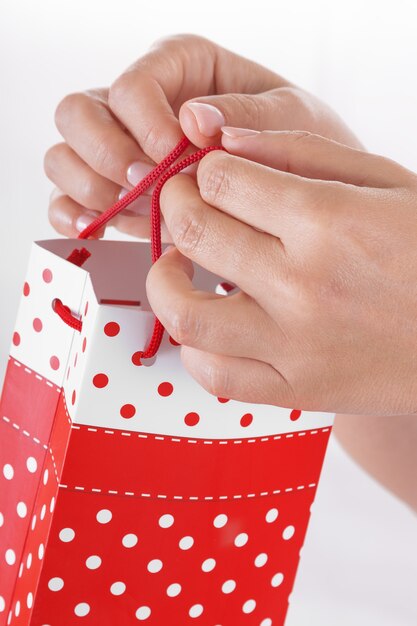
point(84, 344)
point(246, 420)
point(112, 329)
point(173, 342)
point(54, 362)
point(26, 289)
point(47, 276)
point(223, 400)
point(86, 309)
point(16, 339)
point(100, 380)
point(73, 397)
point(128, 411)
point(295, 415)
point(192, 419)
point(165, 389)
point(37, 324)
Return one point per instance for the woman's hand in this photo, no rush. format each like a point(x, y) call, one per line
point(113, 137)
point(322, 241)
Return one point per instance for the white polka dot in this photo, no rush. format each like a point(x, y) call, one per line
point(29, 600)
point(186, 543)
point(266, 622)
point(196, 610)
point(33, 522)
point(29, 560)
point(17, 609)
point(208, 565)
point(8, 471)
point(93, 562)
point(55, 584)
point(21, 509)
point(220, 520)
point(143, 612)
point(31, 464)
point(288, 533)
point(173, 590)
point(261, 559)
point(118, 588)
point(9, 619)
point(155, 566)
point(165, 521)
point(66, 535)
point(2, 604)
point(229, 586)
point(82, 609)
point(277, 579)
point(249, 606)
point(10, 557)
point(41, 551)
point(43, 512)
point(21, 570)
point(129, 540)
point(271, 516)
point(241, 540)
point(45, 477)
point(104, 516)
point(52, 505)
point(1, 519)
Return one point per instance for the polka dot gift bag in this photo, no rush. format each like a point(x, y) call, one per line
point(128, 494)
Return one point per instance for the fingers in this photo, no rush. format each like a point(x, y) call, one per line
point(218, 242)
point(89, 128)
point(148, 96)
point(313, 156)
point(202, 119)
point(246, 380)
point(68, 217)
point(74, 177)
point(275, 202)
point(233, 325)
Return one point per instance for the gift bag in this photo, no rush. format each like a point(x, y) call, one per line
point(128, 493)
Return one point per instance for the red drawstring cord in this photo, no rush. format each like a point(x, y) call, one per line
point(162, 173)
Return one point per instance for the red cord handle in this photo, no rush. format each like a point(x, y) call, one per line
point(160, 173)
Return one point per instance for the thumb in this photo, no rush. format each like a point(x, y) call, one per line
point(201, 119)
point(313, 156)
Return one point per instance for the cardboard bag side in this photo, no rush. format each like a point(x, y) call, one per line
point(227, 475)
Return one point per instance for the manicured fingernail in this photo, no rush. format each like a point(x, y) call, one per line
point(209, 119)
point(137, 171)
point(85, 220)
point(235, 133)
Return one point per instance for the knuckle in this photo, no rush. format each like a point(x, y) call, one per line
point(119, 91)
point(214, 178)
point(50, 160)
point(188, 232)
point(67, 109)
point(184, 324)
point(216, 379)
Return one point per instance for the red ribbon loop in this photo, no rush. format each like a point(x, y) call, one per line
point(161, 173)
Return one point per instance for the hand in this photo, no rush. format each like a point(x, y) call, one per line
point(324, 250)
point(113, 137)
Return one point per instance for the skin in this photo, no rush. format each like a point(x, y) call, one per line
point(325, 264)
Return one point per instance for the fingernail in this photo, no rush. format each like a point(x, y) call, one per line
point(209, 119)
point(234, 133)
point(137, 171)
point(85, 220)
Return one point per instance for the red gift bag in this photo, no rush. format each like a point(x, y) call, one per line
point(129, 494)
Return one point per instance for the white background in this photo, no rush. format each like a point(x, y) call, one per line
point(360, 560)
